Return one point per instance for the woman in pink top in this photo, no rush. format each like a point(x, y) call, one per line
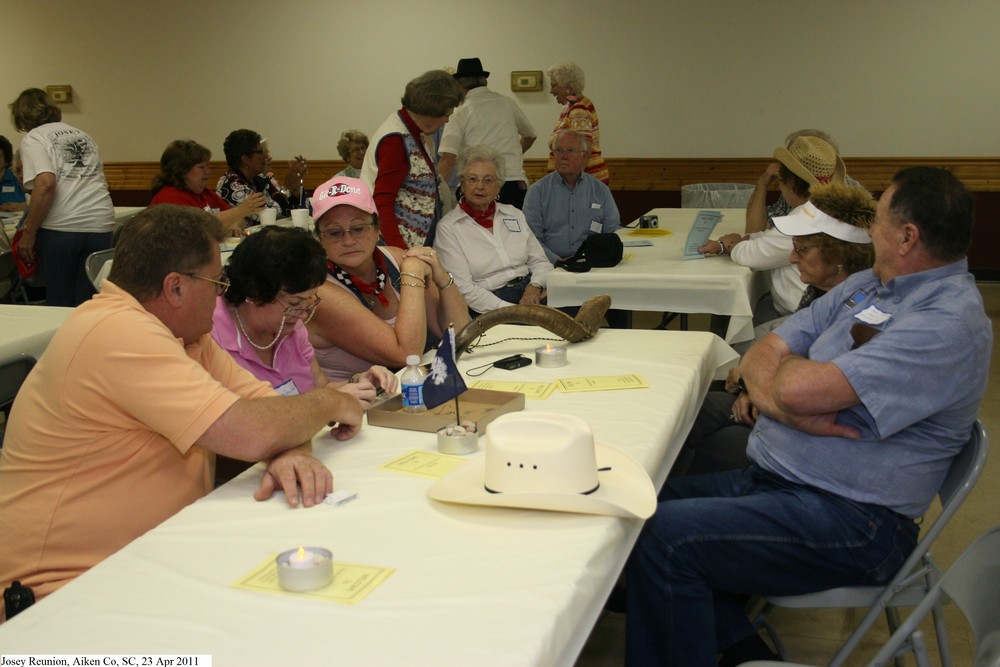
point(274, 276)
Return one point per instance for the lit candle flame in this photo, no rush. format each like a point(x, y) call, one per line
point(301, 555)
point(548, 347)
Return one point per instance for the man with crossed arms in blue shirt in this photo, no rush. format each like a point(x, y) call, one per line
point(861, 403)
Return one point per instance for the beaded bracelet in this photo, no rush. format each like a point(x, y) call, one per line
point(413, 275)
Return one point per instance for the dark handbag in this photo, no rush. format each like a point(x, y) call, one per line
point(597, 250)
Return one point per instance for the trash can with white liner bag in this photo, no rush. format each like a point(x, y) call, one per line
point(716, 195)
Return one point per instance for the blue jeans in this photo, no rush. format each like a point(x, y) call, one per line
point(62, 257)
point(717, 538)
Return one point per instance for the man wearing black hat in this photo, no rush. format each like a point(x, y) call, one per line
point(490, 119)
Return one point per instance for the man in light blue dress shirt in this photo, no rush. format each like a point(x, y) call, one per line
point(859, 404)
point(568, 205)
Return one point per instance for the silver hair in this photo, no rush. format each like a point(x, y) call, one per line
point(583, 139)
point(481, 154)
point(567, 74)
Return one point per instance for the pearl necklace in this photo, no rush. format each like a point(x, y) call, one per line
point(250, 340)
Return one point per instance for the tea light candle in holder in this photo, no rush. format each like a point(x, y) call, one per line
point(458, 439)
point(550, 357)
point(304, 569)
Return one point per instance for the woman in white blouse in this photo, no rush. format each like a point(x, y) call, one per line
point(486, 245)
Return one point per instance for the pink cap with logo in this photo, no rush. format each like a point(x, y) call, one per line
point(342, 190)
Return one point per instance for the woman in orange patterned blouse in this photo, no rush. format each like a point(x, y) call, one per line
point(566, 85)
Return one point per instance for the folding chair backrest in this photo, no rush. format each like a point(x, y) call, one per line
point(95, 262)
point(962, 476)
point(8, 271)
point(973, 583)
point(13, 372)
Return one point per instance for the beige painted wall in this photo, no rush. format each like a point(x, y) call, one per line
point(670, 78)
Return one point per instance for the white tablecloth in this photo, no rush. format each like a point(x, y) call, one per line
point(28, 329)
point(656, 278)
point(473, 585)
point(125, 213)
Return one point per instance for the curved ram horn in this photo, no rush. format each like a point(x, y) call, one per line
point(585, 326)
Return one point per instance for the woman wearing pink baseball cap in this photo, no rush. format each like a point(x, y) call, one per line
point(378, 302)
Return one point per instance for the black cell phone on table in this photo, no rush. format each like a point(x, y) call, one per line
point(512, 362)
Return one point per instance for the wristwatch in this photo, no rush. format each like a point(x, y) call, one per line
point(742, 385)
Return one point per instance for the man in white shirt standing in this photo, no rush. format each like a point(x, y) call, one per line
point(488, 119)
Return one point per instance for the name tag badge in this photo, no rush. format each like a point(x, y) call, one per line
point(595, 226)
point(595, 206)
point(872, 315)
point(8, 188)
point(287, 388)
point(512, 224)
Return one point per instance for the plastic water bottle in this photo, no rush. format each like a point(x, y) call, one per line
point(412, 382)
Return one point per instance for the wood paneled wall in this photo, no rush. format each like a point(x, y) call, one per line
point(640, 184)
point(642, 174)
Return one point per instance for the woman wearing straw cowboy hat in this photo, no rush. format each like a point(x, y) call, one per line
point(806, 162)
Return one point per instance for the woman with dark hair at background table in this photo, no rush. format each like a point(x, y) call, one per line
point(247, 157)
point(183, 180)
point(71, 215)
point(399, 166)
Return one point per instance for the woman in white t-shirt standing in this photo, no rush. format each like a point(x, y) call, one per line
point(70, 215)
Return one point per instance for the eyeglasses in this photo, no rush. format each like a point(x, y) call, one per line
point(487, 181)
point(566, 151)
point(336, 235)
point(358, 149)
point(220, 285)
point(800, 250)
point(299, 312)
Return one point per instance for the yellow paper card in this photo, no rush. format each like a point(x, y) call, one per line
point(536, 390)
point(420, 463)
point(351, 582)
point(649, 232)
point(602, 383)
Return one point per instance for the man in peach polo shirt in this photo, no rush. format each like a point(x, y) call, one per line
point(118, 425)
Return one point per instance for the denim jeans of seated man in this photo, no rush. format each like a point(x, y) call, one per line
point(715, 537)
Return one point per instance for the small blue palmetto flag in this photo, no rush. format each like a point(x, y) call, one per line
point(444, 381)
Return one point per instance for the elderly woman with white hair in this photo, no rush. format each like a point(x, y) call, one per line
point(351, 147)
point(566, 85)
point(488, 246)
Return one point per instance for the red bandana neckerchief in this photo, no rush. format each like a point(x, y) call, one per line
point(484, 218)
point(360, 287)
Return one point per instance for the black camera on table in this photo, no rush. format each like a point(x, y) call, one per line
point(649, 222)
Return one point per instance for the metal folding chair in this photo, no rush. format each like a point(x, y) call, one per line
point(13, 372)
point(972, 583)
point(915, 577)
point(95, 262)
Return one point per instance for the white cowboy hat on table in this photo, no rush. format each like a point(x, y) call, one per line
point(546, 461)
